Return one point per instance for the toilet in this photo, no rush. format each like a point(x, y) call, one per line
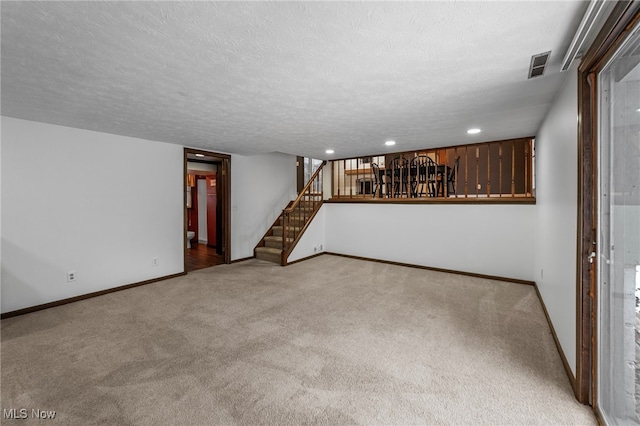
point(190, 235)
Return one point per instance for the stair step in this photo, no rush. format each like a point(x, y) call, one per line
point(277, 230)
point(302, 212)
point(275, 241)
point(269, 254)
point(294, 221)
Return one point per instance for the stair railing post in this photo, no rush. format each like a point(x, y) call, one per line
point(320, 182)
point(285, 219)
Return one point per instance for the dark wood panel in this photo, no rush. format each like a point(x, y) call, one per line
point(192, 213)
point(300, 173)
point(219, 214)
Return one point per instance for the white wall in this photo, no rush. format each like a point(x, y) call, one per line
point(327, 173)
point(313, 240)
point(485, 239)
point(99, 204)
point(556, 220)
point(0, 215)
point(261, 187)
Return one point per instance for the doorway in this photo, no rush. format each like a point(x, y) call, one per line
point(608, 339)
point(207, 209)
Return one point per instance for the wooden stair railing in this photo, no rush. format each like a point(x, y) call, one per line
point(281, 238)
point(297, 216)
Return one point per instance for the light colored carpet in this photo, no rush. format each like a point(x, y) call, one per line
point(327, 341)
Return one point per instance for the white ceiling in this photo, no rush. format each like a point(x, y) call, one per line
point(294, 77)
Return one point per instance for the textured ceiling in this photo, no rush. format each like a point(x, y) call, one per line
point(294, 77)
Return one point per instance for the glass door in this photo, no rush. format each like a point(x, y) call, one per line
point(618, 257)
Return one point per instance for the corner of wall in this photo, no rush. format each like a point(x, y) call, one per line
point(556, 214)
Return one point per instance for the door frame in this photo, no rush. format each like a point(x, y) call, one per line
point(615, 30)
point(213, 242)
point(225, 175)
point(300, 174)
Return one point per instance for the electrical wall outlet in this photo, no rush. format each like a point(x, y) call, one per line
point(71, 276)
point(154, 261)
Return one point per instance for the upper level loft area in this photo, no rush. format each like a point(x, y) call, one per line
point(498, 172)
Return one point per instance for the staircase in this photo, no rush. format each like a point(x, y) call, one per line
point(271, 246)
point(284, 234)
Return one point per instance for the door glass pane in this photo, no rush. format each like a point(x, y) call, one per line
point(618, 391)
point(310, 167)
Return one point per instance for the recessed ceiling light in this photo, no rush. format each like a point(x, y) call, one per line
point(638, 110)
point(390, 143)
point(329, 151)
point(473, 131)
point(199, 155)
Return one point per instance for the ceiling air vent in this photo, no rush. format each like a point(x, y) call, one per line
point(538, 64)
